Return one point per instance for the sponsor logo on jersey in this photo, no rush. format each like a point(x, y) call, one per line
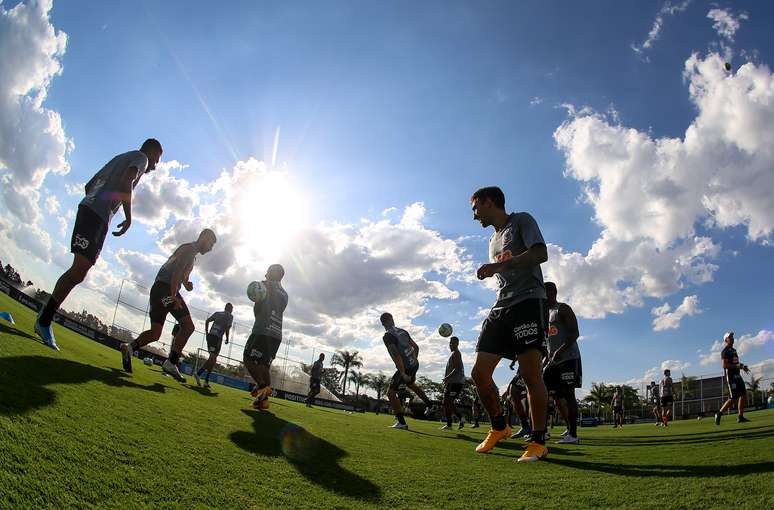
point(167, 300)
point(81, 242)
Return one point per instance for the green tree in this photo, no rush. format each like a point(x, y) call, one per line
point(379, 383)
point(346, 360)
point(755, 386)
point(599, 396)
point(358, 379)
point(432, 389)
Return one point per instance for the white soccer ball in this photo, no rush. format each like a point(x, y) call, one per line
point(256, 292)
point(445, 329)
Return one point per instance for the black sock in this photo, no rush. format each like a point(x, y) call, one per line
point(400, 419)
point(200, 371)
point(498, 422)
point(524, 422)
point(207, 378)
point(449, 422)
point(174, 357)
point(539, 436)
point(49, 309)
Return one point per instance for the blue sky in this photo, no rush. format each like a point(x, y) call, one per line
point(385, 105)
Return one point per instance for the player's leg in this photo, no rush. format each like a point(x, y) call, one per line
point(448, 407)
point(742, 402)
point(516, 397)
point(157, 311)
point(483, 368)
point(570, 404)
point(530, 367)
point(397, 408)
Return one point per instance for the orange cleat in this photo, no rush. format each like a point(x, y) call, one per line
point(535, 452)
point(492, 438)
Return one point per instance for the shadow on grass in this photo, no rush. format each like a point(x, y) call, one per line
point(666, 470)
point(10, 330)
point(23, 380)
point(207, 392)
point(314, 458)
point(708, 437)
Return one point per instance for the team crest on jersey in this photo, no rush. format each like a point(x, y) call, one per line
point(553, 330)
point(167, 300)
point(81, 242)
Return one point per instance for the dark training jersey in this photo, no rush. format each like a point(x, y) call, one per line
point(268, 313)
point(729, 354)
point(517, 236)
point(221, 321)
point(103, 192)
point(316, 372)
point(402, 342)
point(183, 257)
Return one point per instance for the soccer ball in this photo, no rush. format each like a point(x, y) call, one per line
point(256, 292)
point(445, 329)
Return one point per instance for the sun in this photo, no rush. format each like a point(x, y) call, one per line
point(271, 212)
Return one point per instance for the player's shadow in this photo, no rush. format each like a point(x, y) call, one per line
point(666, 470)
point(207, 392)
point(313, 457)
point(23, 380)
point(10, 330)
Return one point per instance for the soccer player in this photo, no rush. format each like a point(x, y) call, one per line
point(221, 324)
point(667, 397)
point(654, 397)
point(516, 392)
point(618, 407)
point(736, 387)
point(405, 354)
point(266, 337)
point(7, 317)
point(563, 370)
point(109, 189)
point(516, 326)
point(453, 382)
point(315, 378)
point(165, 299)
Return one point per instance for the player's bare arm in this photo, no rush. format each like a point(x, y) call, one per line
point(568, 318)
point(397, 360)
point(127, 186)
point(535, 255)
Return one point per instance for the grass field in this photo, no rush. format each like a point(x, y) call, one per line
point(76, 432)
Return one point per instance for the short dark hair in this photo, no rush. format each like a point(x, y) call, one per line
point(454, 338)
point(551, 285)
point(277, 271)
point(491, 192)
point(229, 305)
point(151, 144)
point(385, 317)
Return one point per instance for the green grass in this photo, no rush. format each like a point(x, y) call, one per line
point(76, 432)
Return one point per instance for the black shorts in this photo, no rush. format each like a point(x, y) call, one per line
point(618, 409)
point(397, 381)
point(508, 332)
point(518, 382)
point(162, 303)
point(452, 390)
point(314, 386)
point(89, 234)
point(665, 401)
point(261, 349)
point(567, 374)
point(736, 386)
point(213, 343)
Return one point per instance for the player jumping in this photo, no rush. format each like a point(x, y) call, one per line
point(108, 190)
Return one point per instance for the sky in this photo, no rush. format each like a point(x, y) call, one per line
point(344, 139)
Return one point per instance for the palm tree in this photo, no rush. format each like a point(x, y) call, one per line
point(379, 383)
point(755, 386)
point(358, 379)
point(346, 360)
point(599, 396)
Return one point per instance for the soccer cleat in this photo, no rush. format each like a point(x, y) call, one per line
point(524, 431)
point(400, 426)
point(445, 427)
point(475, 426)
point(534, 452)
point(172, 370)
point(568, 439)
point(742, 419)
point(717, 418)
point(6, 316)
point(126, 356)
point(492, 438)
point(566, 431)
point(206, 385)
point(196, 378)
point(548, 435)
point(46, 334)
point(461, 425)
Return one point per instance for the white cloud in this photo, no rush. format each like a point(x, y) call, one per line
point(658, 24)
point(160, 196)
point(535, 101)
point(665, 318)
point(52, 205)
point(32, 139)
point(674, 365)
point(726, 23)
point(649, 194)
point(743, 345)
